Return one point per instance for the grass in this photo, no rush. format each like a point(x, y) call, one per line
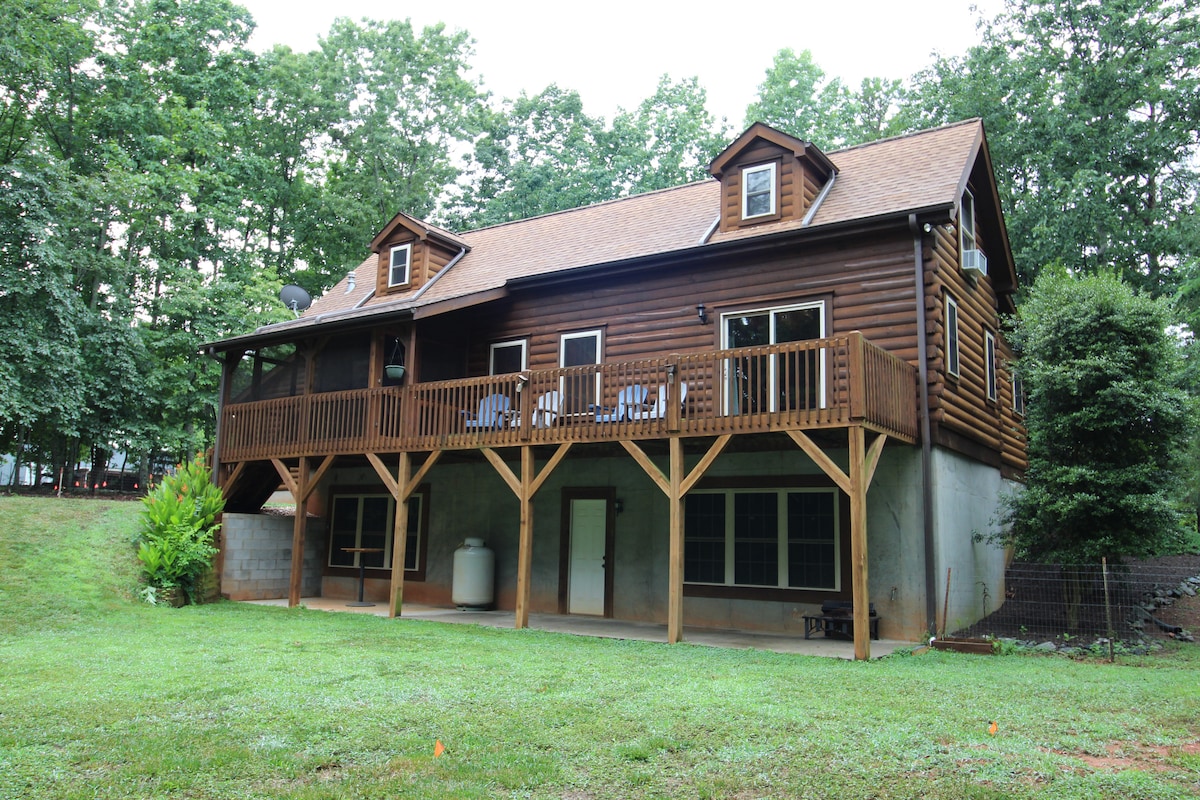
point(104, 697)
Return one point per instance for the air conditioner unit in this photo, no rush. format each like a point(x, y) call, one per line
point(974, 264)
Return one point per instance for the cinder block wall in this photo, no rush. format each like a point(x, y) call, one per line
point(258, 556)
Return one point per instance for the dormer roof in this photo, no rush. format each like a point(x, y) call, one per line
point(419, 228)
point(760, 131)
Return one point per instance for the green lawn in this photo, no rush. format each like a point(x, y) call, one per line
point(103, 697)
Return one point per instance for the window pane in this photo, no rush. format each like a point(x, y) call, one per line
point(758, 204)
point(375, 518)
point(343, 531)
point(412, 548)
point(951, 337)
point(704, 538)
point(399, 266)
point(812, 540)
point(508, 358)
point(756, 539)
point(580, 391)
point(580, 350)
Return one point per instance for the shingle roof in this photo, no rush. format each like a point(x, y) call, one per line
point(893, 176)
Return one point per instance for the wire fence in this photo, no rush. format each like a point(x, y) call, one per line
point(1085, 604)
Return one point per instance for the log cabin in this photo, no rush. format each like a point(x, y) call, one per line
point(717, 405)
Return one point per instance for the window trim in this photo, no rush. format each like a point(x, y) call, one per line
point(772, 190)
point(1018, 394)
point(594, 333)
point(772, 311)
point(407, 248)
point(953, 335)
point(782, 493)
point(991, 369)
point(967, 239)
point(494, 346)
point(416, 573)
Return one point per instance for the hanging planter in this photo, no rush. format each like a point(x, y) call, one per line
point(394, 369)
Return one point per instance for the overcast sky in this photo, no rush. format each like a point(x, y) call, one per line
point(614, 52)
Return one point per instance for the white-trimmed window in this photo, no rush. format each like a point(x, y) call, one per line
point(399, 263)
point(506, 357)
point(758, 191)
point(779, 538)
point(366, 520)
point(762, 383)
point(1018, 390)
point(952, 366)
point(580, 349)
point(989, 353)
point(966, 223)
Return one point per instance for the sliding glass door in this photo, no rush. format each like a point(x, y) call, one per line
point(758, 383)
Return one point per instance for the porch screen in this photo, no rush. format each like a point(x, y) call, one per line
point(782, 538)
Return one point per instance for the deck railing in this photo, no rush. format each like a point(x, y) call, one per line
point(823, 383)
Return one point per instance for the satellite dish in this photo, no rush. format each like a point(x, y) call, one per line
point(295, 298)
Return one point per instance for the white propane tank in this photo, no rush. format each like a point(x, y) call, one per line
point(474, 575)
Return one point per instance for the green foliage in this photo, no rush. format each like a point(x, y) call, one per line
point(796, 97)
point(1107, 416)
point(179, 522)
point(1090, 111)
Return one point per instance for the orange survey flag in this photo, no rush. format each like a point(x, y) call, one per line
point(438, 749)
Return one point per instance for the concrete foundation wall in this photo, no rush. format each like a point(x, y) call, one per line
point(966, 497)
point(470, 499)
point(258, 556)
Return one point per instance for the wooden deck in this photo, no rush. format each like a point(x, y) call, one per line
point(827, 383)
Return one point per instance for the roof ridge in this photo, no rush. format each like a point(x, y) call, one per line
point(613, 201)
point(908, 135)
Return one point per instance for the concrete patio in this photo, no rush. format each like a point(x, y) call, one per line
point(611, 628)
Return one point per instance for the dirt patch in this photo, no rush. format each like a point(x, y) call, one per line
point(1121, 756)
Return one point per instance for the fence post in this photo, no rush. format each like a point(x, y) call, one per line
point(1112, 656)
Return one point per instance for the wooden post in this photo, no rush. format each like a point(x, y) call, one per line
point(300, 495)
point(674, 407)
point(858, 542)
point(675, 569)
point(525, 545)
point(855, 371)
point(525, 406)
point(400, 534)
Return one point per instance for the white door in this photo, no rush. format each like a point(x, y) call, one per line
point(585, 582)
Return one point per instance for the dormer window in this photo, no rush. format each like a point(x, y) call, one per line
point(758, 191)
point(398, 265)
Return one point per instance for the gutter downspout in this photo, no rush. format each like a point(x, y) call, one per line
point(812, 212)
point(926, 445)
point(462, 252)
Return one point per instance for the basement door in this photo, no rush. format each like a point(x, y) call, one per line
point(588, 546)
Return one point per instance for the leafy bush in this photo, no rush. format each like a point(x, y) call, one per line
point(179, 522)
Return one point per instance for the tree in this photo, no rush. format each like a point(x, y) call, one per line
point(404, 103)
point(1108, 418)
point(668, 140)
point(1090, 110)
point(797, 98)
point(538, 154)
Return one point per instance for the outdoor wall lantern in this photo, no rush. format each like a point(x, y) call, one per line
point(701, 313)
